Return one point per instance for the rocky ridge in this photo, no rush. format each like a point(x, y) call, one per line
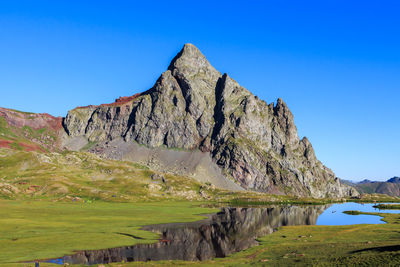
point(391, 187)
point(192, 106)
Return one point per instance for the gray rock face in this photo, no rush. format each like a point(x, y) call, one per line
point(193, 106)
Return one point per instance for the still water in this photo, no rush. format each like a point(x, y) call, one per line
point(230, 230)
point(334, 214)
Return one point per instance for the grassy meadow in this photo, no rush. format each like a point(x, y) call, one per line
point(388, 206)
point(350, 245)
point(54, 229)
point(42, 229)
point(52, 204)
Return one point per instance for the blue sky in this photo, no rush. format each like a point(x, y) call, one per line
point(335, 63)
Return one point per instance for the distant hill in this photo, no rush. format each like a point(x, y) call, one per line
point(29, 131)
point(366, 181)
point(394, 180)
point(391, 187)
point(347, 182)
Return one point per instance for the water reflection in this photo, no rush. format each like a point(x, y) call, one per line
point(334, 214)
point(231, 230)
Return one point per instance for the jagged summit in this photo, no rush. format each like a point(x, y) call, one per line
point(190, 57)
point(194, 107)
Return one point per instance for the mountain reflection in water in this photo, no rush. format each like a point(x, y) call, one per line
point(228, 231)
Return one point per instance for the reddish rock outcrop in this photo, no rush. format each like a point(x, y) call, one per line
point(23, 145)
point(31, 131)
point(5, 143)
point(31, 147)
point(122, 100)
point(34, 120)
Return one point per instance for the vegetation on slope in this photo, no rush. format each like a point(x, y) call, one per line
point(79, 176)
point(390, 187)
point(61, 202)
point(27, 138)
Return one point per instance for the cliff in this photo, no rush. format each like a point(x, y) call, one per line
point(193, 107)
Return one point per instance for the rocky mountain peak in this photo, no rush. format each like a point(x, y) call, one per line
point(192, 70)
point(190, 59)
point(394, 180)
point(193, 107)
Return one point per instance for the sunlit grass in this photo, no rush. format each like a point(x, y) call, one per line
point(41, 229)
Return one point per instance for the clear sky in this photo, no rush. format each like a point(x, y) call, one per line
point(335, 63)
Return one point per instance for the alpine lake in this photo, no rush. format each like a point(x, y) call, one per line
point(228, 231)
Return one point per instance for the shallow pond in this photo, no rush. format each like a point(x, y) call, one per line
point(334, 214)
point(230, 230)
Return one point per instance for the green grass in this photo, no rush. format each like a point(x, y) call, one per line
point(250, 202)
point(67, 175)
point(352, 212)
point(44, 138)
point(16, 146)
point(388, 206)
point(349, 245)
point(281, 199)
point(42, 221)
point(377, 198)
point(5, 129)
point(329, 245)
point(41, 229)
point(44, 230)
point(64, 176)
